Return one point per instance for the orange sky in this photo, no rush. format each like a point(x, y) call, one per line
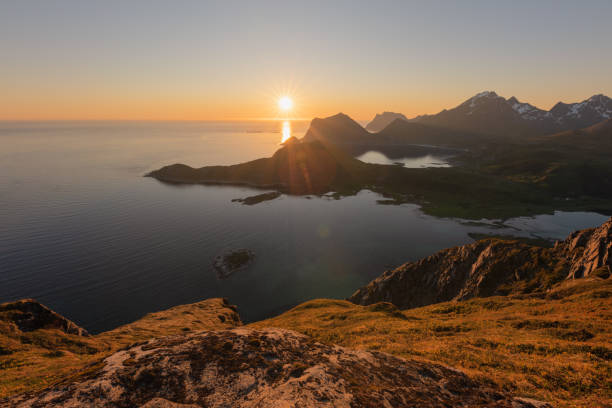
point(156, 103)
point(202, 60)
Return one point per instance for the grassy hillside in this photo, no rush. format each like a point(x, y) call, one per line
point(556, 347)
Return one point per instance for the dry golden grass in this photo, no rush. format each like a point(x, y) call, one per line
point(34, 360)
point(211, 314)
point(556, 348)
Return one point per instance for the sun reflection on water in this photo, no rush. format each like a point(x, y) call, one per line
point(286, 132)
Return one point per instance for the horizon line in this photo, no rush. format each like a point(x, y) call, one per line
point(159, 120)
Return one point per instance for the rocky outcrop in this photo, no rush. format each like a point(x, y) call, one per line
point(588, 250)
point(264, 368)
point(38, 347)
point(491, 267)
point(27, 315)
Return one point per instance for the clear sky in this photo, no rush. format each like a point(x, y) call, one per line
point(206, 60)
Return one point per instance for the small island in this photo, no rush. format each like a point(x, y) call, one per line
point(233, 261)
point(259, 198)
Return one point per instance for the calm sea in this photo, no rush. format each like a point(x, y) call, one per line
point(84, 232)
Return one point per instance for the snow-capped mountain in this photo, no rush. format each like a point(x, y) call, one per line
point(583, 114)
point(490, 113)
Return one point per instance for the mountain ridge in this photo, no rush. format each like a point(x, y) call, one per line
point(489, 113)
point(345, 132)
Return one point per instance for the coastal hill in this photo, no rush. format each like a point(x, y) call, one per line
point(381, 120)
point(296, 168)
point(338, 129)
point(545, 339)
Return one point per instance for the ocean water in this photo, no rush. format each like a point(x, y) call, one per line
point(84, 232)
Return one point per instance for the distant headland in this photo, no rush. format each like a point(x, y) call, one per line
point(493, 176)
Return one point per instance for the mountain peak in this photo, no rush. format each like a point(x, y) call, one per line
point(340, 116)
point(481, 98)
point(485, 94)
point(337, 128)
point(382, 120)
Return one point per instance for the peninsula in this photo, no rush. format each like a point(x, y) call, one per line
point(490, 177)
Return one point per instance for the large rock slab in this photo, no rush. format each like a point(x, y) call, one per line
point(264, 368)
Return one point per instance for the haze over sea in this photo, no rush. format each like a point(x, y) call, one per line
point(86, 234)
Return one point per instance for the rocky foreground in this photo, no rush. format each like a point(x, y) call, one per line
point(264, 368)
point(38, 347)
point(545, 336)
point(492, 267)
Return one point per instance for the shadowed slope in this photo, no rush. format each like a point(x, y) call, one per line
point(403, 132)
point(592, 138)
point(572, 164)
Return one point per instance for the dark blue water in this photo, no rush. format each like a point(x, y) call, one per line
point(84, 232)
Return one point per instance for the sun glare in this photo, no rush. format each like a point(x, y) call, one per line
point(286, 131)
point(285, 103)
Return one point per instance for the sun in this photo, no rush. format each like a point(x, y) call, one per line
point(285, 104)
